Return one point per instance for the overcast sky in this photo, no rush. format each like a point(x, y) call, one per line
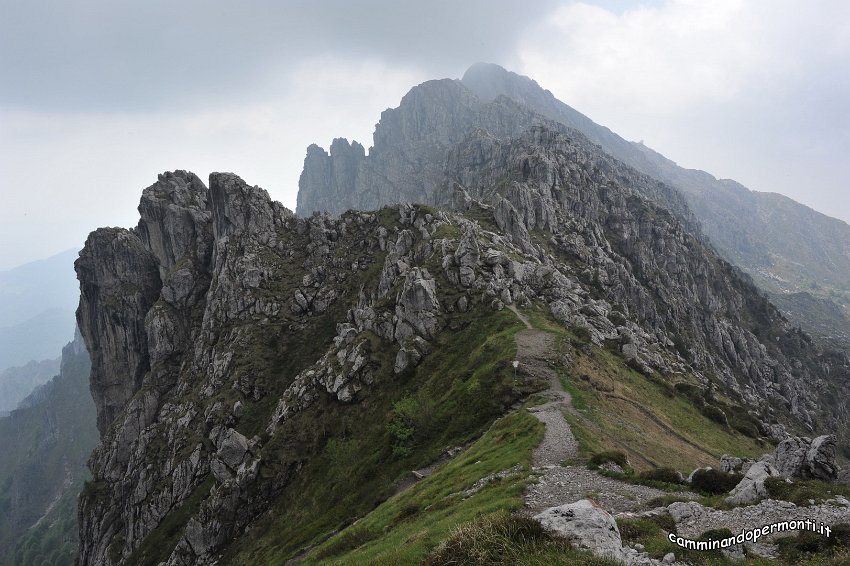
point(98, 96)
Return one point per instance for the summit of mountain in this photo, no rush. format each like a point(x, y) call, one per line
point(786, 247)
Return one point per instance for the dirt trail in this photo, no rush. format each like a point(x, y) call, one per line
point(535, 352)
point(560, 484)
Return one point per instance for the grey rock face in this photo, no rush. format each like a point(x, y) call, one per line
point(232, 448)
point(411, 142)
point(820, 459)
point(759, 232)
point(735, 464)
point(800, 457)
point(417, 306)
point(119, 279)
point(790, 456)
point(751, 488)
point(146, 306)
point(180, 313)
point(206, 281)
point(511, 147)
point(586, 525)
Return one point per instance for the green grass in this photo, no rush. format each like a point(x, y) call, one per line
point(404, 529)
point(343, 460)
point(800, 492)
point(813, 548)
point(619, 408)
point(643, 478)
point(503, 539)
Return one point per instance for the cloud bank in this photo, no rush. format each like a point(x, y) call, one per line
point(98, 96)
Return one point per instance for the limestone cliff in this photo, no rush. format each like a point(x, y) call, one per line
point(240, 351)
point(784, 246)
point(226, 333)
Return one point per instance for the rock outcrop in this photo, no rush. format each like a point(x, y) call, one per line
point(800, 457)
point(784, 245)
point(752, 488)
point(587, 526)
point(223, 326)
point(545, 184)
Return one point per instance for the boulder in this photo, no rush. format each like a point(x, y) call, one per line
point(232, 448)
point(685, 511)
point(733, 464)
point(630, 351)
point(417, 306)
point(467, 257)
point(586, 525)
point(790, 456)
point(799, 457)
point(406, 357)
point(751, 488)
point(820, 459)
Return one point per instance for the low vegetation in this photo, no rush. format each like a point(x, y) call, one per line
point(408, 527)
point(714, 482)
point(502, 539)
point(802, 492)
point(352, 456)
point(808, 547)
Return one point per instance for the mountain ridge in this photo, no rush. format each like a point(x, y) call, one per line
point(263, 379)
point(759, 232)
point(216, 285)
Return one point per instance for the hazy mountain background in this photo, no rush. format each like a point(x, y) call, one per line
point(46, 443)
point(37, 303)
point(18, 382)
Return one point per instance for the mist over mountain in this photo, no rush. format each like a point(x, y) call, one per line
point(34, 287)
point(18, 382)
point(37, 302)
point(45, 445)
point(505, 299)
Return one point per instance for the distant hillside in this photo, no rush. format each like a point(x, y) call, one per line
point(18, 382)
point(45, 448)
point(32, 288)
point(38, 338)
point(37, 303)
point(819, 317)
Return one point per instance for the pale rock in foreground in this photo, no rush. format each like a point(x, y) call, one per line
point(590, 527)
point(751, 488)
point(586, 525)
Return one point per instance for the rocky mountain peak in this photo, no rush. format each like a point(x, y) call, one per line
point(488, 81)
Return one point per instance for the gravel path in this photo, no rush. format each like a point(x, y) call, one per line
point(535, 352)
point(565, 484)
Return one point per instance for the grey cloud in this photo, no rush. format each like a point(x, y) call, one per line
point(107, 54)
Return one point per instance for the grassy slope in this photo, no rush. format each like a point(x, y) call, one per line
point(619, 408)
point(353, 456)
point(404, 529)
